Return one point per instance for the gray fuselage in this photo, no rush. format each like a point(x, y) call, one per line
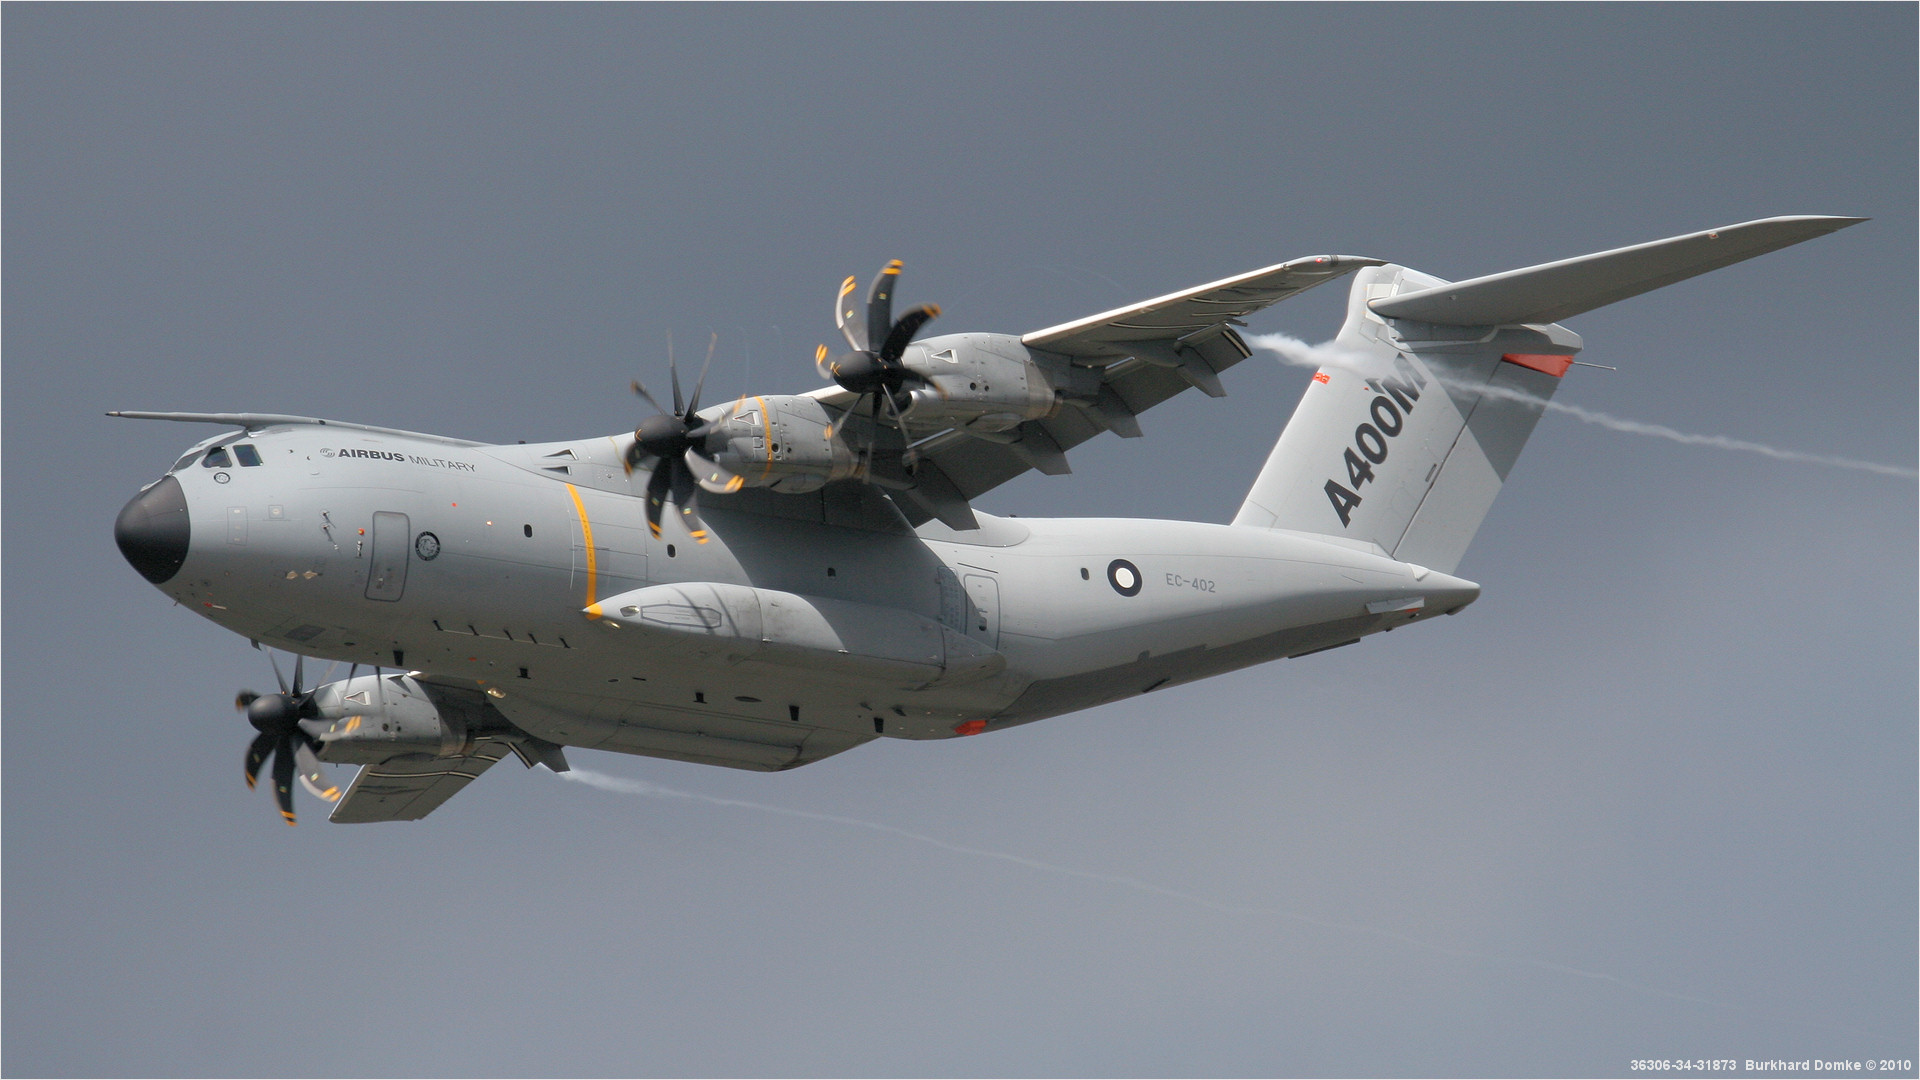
point(487, 566)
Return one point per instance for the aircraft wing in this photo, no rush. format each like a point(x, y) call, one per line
point(1142, 355)
point(408, 790)
point(1189, 314)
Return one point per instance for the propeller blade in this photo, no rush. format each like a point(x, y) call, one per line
point(847, 318)
point(283, 776)
point(657, 486)
point(693, 403)
point(686, 492)
point(276, 672)
point(698, 434)
point(299, 667)
point(712, 475)
point(673, 372)
point(243, 699)
point(820, 362)
point(313, 775)
point(880, 301)
point(903, 331)
point(642, 391)
point(899, 419)
point(257, 754)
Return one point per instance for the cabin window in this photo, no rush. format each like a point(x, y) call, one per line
point(246, 453)
point(217, 459)
point(184, 462)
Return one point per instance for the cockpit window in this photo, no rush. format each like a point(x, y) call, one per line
point(246, 453)
point(184, 462)
point(217, 459)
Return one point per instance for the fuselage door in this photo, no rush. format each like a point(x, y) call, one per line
point(983, 609)
point(387, 573)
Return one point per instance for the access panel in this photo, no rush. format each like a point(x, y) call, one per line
point(387, 573)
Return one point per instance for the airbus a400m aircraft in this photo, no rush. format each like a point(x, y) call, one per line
point(823, 578)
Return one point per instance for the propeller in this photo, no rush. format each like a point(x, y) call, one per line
point(277, 718)
point(674, 439)
point(874, 367)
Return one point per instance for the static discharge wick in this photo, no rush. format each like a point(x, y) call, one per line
point(1300, 354)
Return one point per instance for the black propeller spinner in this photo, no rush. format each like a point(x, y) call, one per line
point(675, 440)
point(874, 367)
point(277, 718)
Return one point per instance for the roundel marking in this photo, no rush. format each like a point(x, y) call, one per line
point(427, 546)
point(1124, 577)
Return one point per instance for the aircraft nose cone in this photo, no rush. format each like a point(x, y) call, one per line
point(153, 530)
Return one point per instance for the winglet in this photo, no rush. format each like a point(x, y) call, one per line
point(1554, 291)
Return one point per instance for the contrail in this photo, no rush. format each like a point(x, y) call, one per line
point(1299, 353)
point(622, 786)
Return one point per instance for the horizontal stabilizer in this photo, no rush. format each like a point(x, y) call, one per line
point(1554, 291)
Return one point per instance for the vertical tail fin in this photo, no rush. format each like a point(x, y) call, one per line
point(1404, 437)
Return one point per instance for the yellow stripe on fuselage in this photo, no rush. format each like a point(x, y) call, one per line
point(586, 534)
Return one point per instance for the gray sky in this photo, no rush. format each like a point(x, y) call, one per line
point(1652, 796)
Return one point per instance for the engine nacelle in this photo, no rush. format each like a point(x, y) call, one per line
point(988, 382)
point(377, 718)
point(784, 442)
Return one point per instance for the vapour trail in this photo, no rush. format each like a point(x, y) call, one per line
point(1299, 353)
point(622, 786)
